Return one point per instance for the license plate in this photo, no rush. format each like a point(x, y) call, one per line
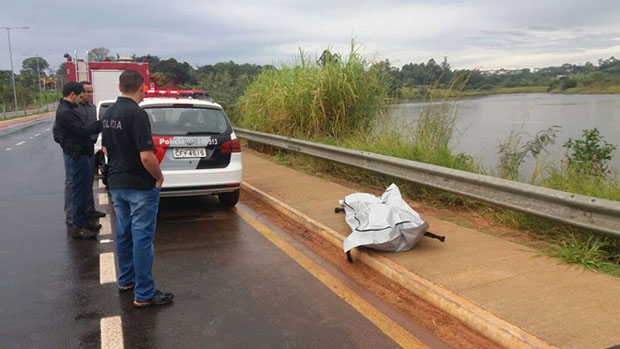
point(189, 152)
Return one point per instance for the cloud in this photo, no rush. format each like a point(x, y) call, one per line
point(471, 33)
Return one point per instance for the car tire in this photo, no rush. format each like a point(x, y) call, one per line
point(229, 199)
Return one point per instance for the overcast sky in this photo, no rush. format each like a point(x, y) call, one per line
point(482, 34)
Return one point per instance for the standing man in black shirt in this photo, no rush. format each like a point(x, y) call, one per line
point(74, 138)
point(86, 110)
point(134, 179)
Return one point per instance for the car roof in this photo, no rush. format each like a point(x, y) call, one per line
point(162, 102)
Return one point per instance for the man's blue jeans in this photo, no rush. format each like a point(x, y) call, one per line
point(136, 218)
point(80, 169)
point(90, 200)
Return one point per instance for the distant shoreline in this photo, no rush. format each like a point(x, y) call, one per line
point(420, 94)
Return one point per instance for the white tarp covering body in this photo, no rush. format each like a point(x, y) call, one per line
point(386, 223)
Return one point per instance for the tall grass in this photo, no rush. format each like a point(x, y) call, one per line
point(573, 181)
point(309, 99)
point(592, 252)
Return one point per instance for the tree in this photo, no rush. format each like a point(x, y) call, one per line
point(151, 60)
point(172, 73)
point(98, 54)
point(29, 65)
point(62, 70)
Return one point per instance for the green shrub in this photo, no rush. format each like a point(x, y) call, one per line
point(310, 99)
point(568, 83)
point(589, 155)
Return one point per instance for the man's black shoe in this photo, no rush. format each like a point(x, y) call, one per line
point(94, 226)
point(69, 221)
point(83, 233)
point(97, 214)
point(160, 298)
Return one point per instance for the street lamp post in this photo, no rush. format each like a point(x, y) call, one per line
point(8, 34)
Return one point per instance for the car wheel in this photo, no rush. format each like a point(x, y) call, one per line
point(229, 199)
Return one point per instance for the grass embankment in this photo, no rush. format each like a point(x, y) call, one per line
point(591, 89)
point(421, 94)
point(342, 103)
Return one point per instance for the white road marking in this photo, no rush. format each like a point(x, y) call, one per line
point(37, 135)
point(111, 332)
point(20, 143)
point(106, 228)
point(100, 183)
point(106, 241)
point(107, 269)
point(9, 148)
point(47, 129)
point(103, 199)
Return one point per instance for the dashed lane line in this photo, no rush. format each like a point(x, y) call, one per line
point(8, 148)
point(106, 228)
point(111, 328)
point(20, 143)
point(37, 135)
point(103, 199)
point(107, 269)
point(111, 332)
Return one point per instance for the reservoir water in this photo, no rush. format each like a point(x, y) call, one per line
point(485, 121)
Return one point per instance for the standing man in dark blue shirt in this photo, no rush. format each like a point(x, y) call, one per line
point(74, 138)
point(134, 179)
point(88, 112)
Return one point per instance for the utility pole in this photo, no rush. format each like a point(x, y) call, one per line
point(8, 34)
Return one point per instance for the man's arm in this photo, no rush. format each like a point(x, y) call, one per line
point(150, 163)
point(72, 121)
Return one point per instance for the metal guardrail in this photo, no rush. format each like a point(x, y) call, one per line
point(595, 214)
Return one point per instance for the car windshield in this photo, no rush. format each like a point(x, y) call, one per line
point(186, 121)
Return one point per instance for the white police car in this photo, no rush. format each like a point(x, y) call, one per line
point(195, 144)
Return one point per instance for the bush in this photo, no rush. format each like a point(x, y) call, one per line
point(568, 83)
point(310, 99)
point(590, 155)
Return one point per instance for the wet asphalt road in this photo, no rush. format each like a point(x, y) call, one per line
point(233, 287)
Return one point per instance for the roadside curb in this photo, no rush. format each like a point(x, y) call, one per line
point(473, 316)
point(22, 120)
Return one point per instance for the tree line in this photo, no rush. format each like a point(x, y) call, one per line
point(560, 78)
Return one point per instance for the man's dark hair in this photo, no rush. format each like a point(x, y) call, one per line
point(82, 83)
point(130, 81)
point(71, 86)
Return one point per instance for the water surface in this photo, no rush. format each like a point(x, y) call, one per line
point(485, 121)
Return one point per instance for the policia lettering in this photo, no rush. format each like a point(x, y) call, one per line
point(188, 141)
point(111, 123)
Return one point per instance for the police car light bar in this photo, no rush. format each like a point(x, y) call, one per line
point(175, 93)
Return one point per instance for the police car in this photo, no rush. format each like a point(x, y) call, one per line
point(195, 144)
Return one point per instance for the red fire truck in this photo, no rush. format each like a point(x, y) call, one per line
point(104, 75)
